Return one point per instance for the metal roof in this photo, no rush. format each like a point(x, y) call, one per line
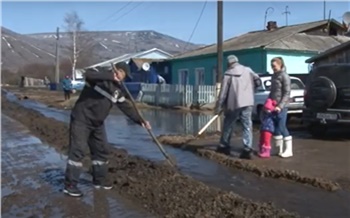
point(127, 57)
point(344, 45)
point(281, 38)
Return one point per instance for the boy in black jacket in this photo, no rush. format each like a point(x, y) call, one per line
point(101, 92)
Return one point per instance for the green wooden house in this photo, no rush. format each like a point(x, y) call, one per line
point(294, 43)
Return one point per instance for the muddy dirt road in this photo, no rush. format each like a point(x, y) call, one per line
point(160, 189)
point(291, 196)
point(32, 175)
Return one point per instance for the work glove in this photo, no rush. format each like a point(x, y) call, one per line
point(218, 110)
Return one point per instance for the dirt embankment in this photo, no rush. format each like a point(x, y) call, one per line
point(184, 142)
point(161, 189)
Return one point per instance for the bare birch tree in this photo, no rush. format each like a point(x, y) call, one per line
point(80, 43)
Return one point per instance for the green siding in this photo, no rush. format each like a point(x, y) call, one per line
point(254, 58)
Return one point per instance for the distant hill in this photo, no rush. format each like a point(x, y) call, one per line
point(19, 50)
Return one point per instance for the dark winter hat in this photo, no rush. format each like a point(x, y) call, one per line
point(125, 67)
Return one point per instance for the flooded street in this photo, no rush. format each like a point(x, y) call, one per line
point(305, 200)
point(32, 182)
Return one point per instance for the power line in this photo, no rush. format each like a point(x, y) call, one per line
point(195, 26)
point(126, 13)
point(114, 13)
point(94, 44)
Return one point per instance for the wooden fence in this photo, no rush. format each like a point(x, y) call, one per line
point(177, 95)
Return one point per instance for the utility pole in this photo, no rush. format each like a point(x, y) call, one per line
point(219, 70)
point(286, 12)
point(57, 70)
point(324, 10)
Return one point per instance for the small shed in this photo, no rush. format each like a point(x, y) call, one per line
point(158, 67)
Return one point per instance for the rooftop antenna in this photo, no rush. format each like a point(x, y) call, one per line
point(346, 20)
point(269, 9)
point(286, 12)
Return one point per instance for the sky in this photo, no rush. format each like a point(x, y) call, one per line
point(176, 19)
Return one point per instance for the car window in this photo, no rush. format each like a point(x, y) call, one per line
point(294, 84)
point(267, 85)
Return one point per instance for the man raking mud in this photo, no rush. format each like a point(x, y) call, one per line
point(101, 92)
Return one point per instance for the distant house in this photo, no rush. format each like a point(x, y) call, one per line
point(337, 54)
point(153, 53)
point(294, 44)
point(158, 67)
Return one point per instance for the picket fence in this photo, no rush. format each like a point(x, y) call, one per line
point(177, 95)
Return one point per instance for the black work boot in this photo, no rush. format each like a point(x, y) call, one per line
point(72, 190)
point(224, 150)
point(99, 174)
point(246, 154)
point(71, 181)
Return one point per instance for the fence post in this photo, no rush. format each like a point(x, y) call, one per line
point(195, 95)
point(158, 93)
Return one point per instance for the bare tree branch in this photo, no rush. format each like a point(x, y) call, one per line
point(79, 41)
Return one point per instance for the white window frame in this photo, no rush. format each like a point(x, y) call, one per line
point(181, 76)
point(199, 76)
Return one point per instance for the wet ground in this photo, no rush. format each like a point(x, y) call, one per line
point(157, 187)
point(31, 183)
point(291, 196)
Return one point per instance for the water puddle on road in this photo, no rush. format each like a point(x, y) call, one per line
point(305, 200)
point(32, 182)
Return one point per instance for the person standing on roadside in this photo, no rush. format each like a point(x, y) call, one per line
point(67, 87)
point(236, 99)
point(102, 90)
point(280, 92)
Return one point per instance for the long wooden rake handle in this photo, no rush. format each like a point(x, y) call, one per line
point(160, 146)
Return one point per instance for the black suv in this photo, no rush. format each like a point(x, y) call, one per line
point(327, 98)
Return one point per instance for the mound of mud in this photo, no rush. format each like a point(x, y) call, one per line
point(184, 141)
point(159, 188)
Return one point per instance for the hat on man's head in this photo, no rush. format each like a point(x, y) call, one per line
point(232, 59)
point(125, 67)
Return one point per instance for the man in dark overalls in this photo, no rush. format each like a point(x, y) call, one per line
point(101, 92)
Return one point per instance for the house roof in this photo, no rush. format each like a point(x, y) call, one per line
point(262, 39)
point(333, 50)
point(304, 42)
point(127, 57)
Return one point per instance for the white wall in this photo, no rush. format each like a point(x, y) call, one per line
point(295, 64)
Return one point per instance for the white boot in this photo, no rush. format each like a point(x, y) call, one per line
point(289, 147)
point(279, 143)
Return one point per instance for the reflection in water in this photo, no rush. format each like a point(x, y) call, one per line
point(179, 122)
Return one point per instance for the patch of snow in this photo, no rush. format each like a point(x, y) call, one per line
point(105, 39)
point(115, 41)
point(177, 46)
point(30, 52)
point(8, 44)
point(42, 50)
point(104, 46)
point(152, 34)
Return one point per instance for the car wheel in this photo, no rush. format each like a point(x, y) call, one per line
point(318, 130)
point(322, 93)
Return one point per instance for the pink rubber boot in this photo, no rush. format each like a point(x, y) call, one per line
point(264, 145)
point(265, 152)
